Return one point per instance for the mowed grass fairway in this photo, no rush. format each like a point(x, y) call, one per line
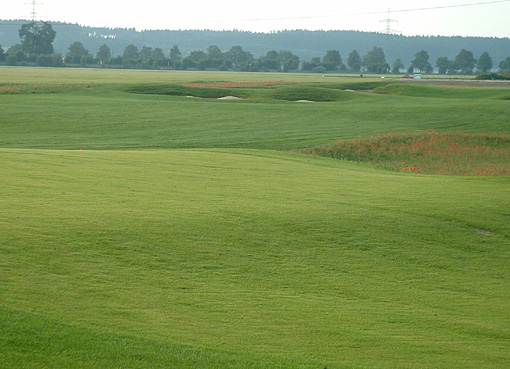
point(179, 238)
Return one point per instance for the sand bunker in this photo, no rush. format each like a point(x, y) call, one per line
point(230, 98)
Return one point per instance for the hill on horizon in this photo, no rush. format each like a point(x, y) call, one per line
point(303, 43)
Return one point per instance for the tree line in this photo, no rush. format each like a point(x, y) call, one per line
point(36, 48)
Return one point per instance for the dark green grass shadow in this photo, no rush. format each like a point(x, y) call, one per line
point(33, 341)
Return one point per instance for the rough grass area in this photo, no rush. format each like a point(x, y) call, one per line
point(16, 88)
point(427, 152)
point(494, 77)
point(443, 92)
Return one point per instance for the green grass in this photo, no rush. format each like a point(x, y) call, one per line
point(239, 251)
point(179, 242)
point(106, 116)
point(287, 93)
point(53, 344)
point(444, 92)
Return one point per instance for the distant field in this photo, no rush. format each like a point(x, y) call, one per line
point(144, 228)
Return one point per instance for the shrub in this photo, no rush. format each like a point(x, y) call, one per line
point(11, 60)
point(494, 76)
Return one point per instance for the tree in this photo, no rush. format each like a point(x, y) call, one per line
point(421, 62)
point(238, 58)
point(354, 61)
point(444, 65)
point(504, 65)
point(375, 61)
point(130, 56)
point(104, 54)
point(175, 54)
point(332, 60)
point(15, 52)
point(37, 39)
point(214, 57)
point(464, 61)
point(145, 53)
point(2, 53)
point(484, 62)
point(314, 65)
point(53, 60)
point(269, 61)
point(11, 59)
point(197, 58)
point(397, 66)
point(159, 57)
point(288, 61)
point(175, 57)
point(78, 54)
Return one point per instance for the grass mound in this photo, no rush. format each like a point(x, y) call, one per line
point(442, 92)
point(301, 92)
point(183, 90)
point(217, 90)
point(428, 152)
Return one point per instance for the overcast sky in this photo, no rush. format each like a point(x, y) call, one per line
point(433, 17)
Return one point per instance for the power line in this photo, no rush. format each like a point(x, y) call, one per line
point(366, 13)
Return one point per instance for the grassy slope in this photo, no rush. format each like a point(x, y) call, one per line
point(239, 251)
point(444, 92)
point(236, 258)
point(34, 341)
point(107, 118)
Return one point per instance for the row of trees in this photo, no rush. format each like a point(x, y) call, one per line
point(213, 58)
point(36, 47)
point(375, 61)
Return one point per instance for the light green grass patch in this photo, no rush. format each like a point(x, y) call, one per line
point(240, 251)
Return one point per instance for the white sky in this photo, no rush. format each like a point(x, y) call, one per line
point(490, 18)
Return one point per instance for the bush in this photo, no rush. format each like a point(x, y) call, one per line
point(44, 60)
point(494, 77)
point(11, 60)
point(319, 69)
point(52, 60)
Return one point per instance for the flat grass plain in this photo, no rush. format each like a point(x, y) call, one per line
point(143, 228)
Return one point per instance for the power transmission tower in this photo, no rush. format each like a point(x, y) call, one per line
point(388, 21)
point(33, 14)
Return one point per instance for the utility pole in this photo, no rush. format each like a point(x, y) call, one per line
point(388, 21)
